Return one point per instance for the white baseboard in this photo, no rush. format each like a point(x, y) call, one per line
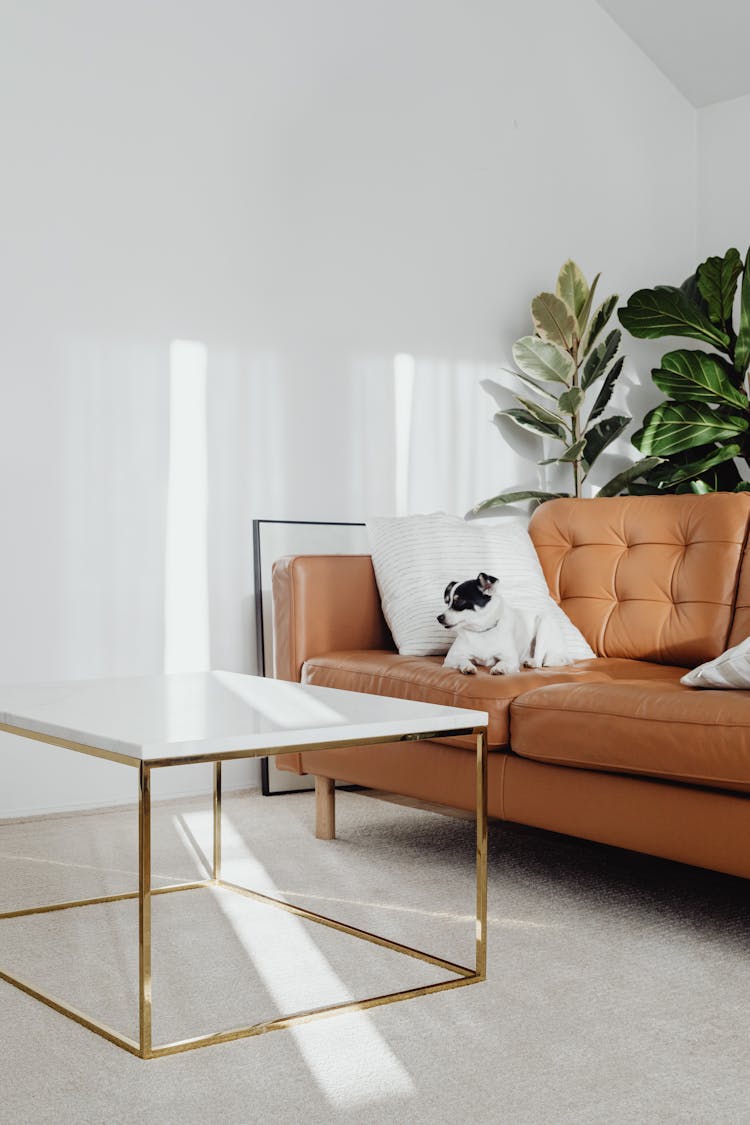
point(88, 808)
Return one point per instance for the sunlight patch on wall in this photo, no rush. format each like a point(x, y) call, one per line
point(186, 608)
point(403, 386)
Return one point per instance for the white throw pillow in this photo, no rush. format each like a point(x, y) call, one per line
point(730, 670)
point(415, 557)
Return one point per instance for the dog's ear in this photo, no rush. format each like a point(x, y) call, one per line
point(486, 582)
point(448, 591)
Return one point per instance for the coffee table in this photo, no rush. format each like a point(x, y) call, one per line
point(160, 722)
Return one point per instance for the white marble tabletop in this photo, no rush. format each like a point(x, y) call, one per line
point(205, 714)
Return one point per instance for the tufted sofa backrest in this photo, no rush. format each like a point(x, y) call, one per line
point(646, 577)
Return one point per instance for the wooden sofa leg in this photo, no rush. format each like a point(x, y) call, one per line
point(325, 808)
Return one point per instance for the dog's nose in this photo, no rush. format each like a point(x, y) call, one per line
point(441, 618)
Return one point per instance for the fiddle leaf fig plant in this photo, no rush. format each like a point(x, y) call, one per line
point(702, 430)
point(570, 354)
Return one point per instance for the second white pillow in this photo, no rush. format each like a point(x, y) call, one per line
point(730, 670)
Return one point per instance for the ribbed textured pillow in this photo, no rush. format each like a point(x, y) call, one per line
point(415, 557)
point(730, 670)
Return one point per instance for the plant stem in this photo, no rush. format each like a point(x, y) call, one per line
point(577, 478)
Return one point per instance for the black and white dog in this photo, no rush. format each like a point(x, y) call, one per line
point(494, 634)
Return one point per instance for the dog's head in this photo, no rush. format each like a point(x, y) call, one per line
point(471, 605)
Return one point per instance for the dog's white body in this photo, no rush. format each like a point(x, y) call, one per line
point(504, 639)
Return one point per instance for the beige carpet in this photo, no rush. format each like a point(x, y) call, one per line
point(619, 985)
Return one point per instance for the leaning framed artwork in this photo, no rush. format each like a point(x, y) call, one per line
point(274, 539)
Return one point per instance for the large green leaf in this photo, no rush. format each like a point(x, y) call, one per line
point(670, 474)
point(600, 358)
point(675, 426)
point(690, 288)
point(553, 319)
point(615, 486)
point(694, 376)
point(666, 311)
point(742, 348)
point(515, 498)
point(599, 322)
point(601, 435)
point(528, 421)
point(542, 360)
point(570, 401)
point(572, 288)
point(607, 387)
point(717, 281)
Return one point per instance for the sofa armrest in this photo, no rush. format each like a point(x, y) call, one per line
point(324, 603)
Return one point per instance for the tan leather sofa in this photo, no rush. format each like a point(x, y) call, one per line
point(613, 749)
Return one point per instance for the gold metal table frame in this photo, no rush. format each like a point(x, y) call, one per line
point(144, 1048)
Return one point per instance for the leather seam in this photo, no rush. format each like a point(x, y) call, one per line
point(743, 552)
point(636, 771)
point(447, 691)
point(293, 607)
point(501, 786)
point(519, 702)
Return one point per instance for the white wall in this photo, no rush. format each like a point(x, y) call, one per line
point(307, 190)
point(723, 174)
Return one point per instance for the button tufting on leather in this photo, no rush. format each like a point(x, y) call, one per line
point(647, 577)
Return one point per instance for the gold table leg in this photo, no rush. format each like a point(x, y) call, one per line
point(144, 910)
point(145, 1048)
point(217, 822)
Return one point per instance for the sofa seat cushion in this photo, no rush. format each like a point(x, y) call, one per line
point(652, 729)
point(424, 678)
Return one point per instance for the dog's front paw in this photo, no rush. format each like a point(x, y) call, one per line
point(504, 668)
point(532, 662)
point(467, 668)
point(556, 659)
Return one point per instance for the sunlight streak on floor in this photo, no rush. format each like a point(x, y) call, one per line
point(348, 1058)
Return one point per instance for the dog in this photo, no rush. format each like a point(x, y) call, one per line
point(493, 634)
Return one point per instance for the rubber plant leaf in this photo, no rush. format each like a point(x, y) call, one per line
point(527, 421)
point(583, 316)
point(515, 498)
point(572, 288)
point(601, 435)
point(667, 311)
point(541, 412)
point(717, 282)
point(570, 401)
point(694, 376)
point(599, 322)
point(534, 383)
point(622, 480)
point(572, 453)
point(607, 387)
point(673, 427)
point(542, 360)
point(600, 358)
point(553, 320)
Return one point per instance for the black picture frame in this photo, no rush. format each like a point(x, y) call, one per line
point(268, 786)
